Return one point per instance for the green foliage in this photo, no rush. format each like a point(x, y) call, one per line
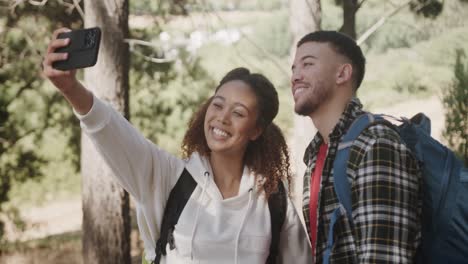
point(160, 7)
point(331, 16)
point(26, 109)
point(62, 14)
point(419, 71)
point(245, 5)
point(165, 95)
point(410, 56)
point(423, 8)
point(406, 29)
point(272, 34)
point(18, 85)
point(456, 105)
point(427, 8)
point(268, 5)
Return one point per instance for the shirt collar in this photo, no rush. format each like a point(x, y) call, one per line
point(353, 109)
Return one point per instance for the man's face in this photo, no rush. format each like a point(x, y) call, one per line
point(313, 76)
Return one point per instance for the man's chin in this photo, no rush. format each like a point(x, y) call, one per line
point(303, 111)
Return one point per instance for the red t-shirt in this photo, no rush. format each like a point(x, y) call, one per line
point(314, 193)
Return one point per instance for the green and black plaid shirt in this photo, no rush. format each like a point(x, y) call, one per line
point(386, 198)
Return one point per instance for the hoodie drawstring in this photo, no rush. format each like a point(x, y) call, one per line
point(207, 175)
point(242, 225)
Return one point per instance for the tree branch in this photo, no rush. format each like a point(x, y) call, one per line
point(259, 48)
point(133, 42)
point(420, 6)
point(152, 59)
point(381, 22)
point(76, 3)
point(360, 4)
point(38, 3)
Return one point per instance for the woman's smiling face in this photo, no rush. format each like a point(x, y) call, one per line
point(231, 119)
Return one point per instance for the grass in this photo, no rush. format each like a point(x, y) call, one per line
point(58, 249)
point(63, 248)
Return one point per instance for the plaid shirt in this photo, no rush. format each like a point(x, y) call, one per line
point(385, 185)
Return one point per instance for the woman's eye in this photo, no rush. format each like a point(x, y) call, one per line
point(217, 106)
point(238, 114)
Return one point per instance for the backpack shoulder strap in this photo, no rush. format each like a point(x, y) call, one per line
point(277, 203)
point(178, 197)
point(340, 177)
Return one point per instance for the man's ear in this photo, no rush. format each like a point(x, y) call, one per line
point(344, 74)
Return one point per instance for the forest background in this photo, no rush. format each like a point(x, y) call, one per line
point(178, 52)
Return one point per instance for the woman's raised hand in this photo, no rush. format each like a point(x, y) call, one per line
point(65, 81)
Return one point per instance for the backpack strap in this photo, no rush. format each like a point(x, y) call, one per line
point(340, 177)
point(178, 197)
point(277, 203)
point(180, 194)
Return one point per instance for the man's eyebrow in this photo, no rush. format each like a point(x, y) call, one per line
point(304, 58)
point(308, 57)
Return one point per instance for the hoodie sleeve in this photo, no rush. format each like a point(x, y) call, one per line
point(294, 243)
point(139, 166)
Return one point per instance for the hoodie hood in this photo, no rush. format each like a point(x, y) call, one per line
point(199, 167)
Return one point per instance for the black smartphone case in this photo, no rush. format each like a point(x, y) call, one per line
point(82, 50)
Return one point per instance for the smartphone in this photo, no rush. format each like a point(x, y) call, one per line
point(82, 50)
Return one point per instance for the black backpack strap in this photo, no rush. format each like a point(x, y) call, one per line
point(178, 197)
point(277, 203)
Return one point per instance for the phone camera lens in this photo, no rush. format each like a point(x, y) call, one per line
point(90, 39)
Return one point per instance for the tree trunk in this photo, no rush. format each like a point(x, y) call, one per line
point(305, 17)
point(350, 8)
point(106, 219)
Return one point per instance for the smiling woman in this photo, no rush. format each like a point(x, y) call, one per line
point(235, 159)
point(236, 124)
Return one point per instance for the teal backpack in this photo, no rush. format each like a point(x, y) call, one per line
point(445, 189)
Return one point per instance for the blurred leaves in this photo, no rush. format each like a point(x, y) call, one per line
point(27, 109)
point(456, 105)
point(163, 96)
point(427, 8)
point(160, 7)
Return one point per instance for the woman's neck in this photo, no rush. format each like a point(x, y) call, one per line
point(227, 173)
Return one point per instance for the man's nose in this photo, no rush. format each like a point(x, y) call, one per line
point(296, 76)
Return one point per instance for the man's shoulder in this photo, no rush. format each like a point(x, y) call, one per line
point(382, 132)
point(377, 141)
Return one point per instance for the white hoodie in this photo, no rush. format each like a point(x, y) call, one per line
point(210, 229)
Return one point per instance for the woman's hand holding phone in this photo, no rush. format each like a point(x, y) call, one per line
point(76, 94)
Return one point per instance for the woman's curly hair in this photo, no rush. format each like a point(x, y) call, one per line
point(268, 155)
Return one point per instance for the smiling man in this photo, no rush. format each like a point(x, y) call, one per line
point(385, 181)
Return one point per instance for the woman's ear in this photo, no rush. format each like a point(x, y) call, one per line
point(256, 133)
point(344, 74)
